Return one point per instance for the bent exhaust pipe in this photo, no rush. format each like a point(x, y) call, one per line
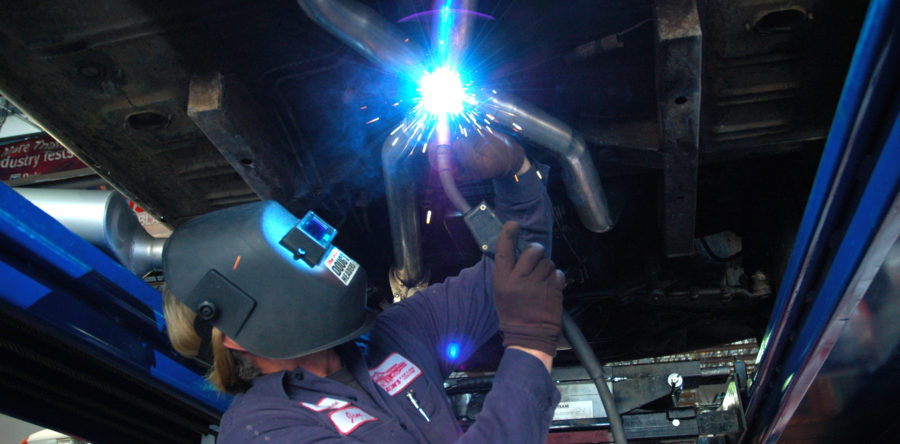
point(580, 175)
point(368, 33)
point(104, 219)
point(403, 212)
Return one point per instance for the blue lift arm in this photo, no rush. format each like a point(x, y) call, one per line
point(57, 285)
point(854, 200)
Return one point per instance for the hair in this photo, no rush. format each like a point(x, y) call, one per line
point(232, 371)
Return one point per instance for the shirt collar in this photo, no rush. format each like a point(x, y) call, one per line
point(279, 384)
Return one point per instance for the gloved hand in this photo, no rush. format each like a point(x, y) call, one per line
point(482, 157)
point(527, 294)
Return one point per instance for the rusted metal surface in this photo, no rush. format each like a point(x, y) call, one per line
point(678, 67)
point(236, 124)
point(710, 357)
point(770, 73)
point(108, 85)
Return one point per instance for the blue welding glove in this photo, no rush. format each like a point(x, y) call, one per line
point(479, 157)
point(528, 294)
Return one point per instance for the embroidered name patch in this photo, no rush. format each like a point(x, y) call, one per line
point(348, 419)
point(325, 404)
point(395, 373)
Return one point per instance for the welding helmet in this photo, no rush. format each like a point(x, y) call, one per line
point(270, 281)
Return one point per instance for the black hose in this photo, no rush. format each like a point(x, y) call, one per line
point(576, 339)
point(589, 360)
point(478, 384)
point(445, 173)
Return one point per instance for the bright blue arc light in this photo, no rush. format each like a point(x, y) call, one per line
point(442, 92)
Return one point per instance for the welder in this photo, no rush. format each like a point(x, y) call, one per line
point(284, 314)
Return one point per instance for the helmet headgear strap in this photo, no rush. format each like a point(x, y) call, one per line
point(203, 327)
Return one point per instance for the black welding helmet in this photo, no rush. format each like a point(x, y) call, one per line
point(272, 282)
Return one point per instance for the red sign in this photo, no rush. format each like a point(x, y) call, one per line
point(39, 155)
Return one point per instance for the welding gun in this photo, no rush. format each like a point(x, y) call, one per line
point(483, 223)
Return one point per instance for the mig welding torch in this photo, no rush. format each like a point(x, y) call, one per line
point(485, 227)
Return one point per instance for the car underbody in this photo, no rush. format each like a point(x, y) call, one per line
point(703, 119)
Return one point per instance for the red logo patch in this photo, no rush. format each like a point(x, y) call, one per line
point(395, 373)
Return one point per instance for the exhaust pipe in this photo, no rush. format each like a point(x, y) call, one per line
point(369, 34)
point(408, 274)
point(104, 219)
point(581, 178)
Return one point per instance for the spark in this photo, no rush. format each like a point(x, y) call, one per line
point(428, 217)
point(373, 120)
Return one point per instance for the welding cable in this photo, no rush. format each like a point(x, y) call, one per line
point(444, 171)
point(476, 384)
point(576, 338)
point(589, 360)
point(443, 163)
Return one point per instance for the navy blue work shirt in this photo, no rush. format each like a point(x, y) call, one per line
point(406, 358)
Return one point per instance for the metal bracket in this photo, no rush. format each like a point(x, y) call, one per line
point(678, 71)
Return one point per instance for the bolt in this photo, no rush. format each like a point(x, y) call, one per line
point(206, 310)
point(484, 247)
point(676, 422)
point(483, 207)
